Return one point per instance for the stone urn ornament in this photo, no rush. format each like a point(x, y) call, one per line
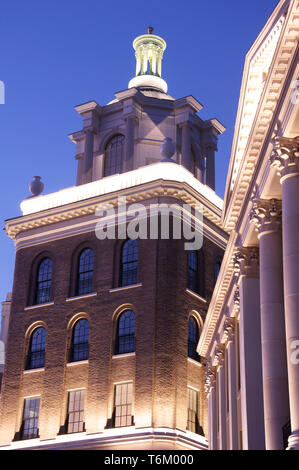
point(167, 150)
point(36, 186)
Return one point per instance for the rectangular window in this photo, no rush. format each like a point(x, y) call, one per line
point(192, 410)
point(75, 417)
point(123, 405)
point(30, 418)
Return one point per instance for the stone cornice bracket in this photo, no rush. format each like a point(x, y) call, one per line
point(285, 156)
point(246, 262)
point(219, 355)
point(210, 379)
point(229, 329)
point(266, 214)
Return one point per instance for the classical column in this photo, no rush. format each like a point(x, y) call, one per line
point(286, 158)
point(229, 332)
point(88, 156)
point(186, 145)
point(221, 389)
point(129, 143)
point(210, 388)
point(267, 217)
point(252, 409)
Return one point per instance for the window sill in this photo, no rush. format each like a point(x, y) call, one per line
point(193, 361)
point(77, 363)
point(30, 371)
point(133, 286)
point(197, 296)
point(78, 297)
point(46, 304)
point(115, 356)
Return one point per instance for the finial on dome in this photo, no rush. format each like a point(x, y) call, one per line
point(149, 49)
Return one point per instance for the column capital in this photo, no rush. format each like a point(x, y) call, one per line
point(285, 156)
point(219, 355)
point(237, 298)
point(246, 262)
point(210, 379)
point(229, 329)
point(266, 215)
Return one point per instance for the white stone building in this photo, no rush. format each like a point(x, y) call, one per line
point(251, 335)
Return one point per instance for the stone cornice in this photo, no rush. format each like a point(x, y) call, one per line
point(224, 284)
point(284, 53)
point(153, 190)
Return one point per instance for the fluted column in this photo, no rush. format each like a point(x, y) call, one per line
point(219, 357)
point(286, 159)
point(229, 331)
point(88, 156)
point(252, 409)
point(210, 388)
point(267, 217)
point(129, 143)
point(186, 145)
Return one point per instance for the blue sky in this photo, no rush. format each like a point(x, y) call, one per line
point(57, 54)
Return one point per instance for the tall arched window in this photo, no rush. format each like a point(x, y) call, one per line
point(79, 346)
point(193, 338)
point(125, 336)
point(44, 281)
point(129, 263)
point(36, 351)
point(193, 270)
point(85, 272)
point(114, 155)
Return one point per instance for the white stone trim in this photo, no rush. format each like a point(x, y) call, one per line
point(116, 356)
point(77, 363)
point(197, 296)
point(133, 286)
point(79, 297)
point(31, 307)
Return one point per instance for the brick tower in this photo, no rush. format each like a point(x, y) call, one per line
point(102, 336)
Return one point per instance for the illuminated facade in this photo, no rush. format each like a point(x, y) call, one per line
point(251, 335)
point(101, 347)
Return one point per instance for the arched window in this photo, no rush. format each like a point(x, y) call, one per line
point(125, 337)
point(193, 338)
point(79, 346)
point(44, 281)
point(85, 272)
point(193, 271)
point(36, 351)
point(114, 155)
point(129, 263)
